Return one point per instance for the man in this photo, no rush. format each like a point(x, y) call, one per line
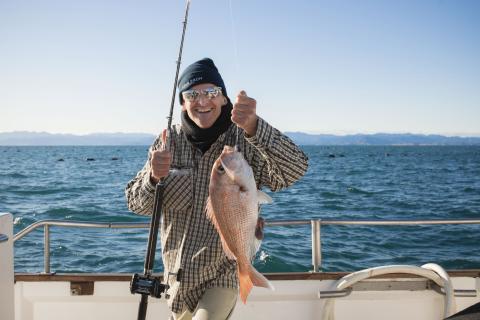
point(203, 282)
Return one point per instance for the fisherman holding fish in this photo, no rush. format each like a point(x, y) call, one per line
point(211, 197)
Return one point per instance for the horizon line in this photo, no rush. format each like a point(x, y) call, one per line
point(461, 135)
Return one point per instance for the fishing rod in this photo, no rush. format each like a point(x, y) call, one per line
point(146, 284)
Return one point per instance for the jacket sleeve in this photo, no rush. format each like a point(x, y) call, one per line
point(278, 161)
point(140, 191)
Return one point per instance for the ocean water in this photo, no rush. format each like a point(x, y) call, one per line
point(343, 182)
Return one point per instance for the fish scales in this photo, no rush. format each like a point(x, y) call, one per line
point(233, 209)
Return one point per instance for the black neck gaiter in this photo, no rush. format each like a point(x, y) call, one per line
point(203, 139)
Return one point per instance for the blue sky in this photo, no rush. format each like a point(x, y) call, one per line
point(314, 66)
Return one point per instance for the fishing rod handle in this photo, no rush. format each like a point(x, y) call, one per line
point(154, 226)
point(142, 308)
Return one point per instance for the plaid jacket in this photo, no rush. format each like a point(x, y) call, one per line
point(189, 240)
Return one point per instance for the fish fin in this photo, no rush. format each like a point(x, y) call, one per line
point(226, 249)
point(248, 277)
point(263, 197)
point(209, 212)
point(211, 215)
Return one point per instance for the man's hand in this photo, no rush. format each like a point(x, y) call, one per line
point(159, 165)
point(160, 161)
point(244, 113)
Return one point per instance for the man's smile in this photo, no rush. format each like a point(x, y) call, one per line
point(204, 110)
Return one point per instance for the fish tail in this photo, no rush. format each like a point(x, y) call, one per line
point(259, 279)
point(245, 283)
point(248, 277)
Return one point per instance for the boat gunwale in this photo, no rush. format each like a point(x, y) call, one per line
point(79, 277)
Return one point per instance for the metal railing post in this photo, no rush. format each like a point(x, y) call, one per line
point(316, 246)
point(46, 250)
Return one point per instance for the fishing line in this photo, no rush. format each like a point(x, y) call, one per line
point(234, 36)
point(236, 63)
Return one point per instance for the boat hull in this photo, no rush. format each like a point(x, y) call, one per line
point(296, 296)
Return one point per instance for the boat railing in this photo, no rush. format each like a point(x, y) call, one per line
point(314, 223)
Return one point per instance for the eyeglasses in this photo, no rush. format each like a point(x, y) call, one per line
point(193, 94)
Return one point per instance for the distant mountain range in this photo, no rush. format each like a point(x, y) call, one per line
point(380, 139)
point(24, 138)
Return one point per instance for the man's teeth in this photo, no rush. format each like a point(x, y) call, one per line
point(204, 111)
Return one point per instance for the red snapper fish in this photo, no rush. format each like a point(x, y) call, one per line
point(232, 207)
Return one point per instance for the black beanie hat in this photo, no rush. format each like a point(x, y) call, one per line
point(202, 71)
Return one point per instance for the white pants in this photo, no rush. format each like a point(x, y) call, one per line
point(215, 304)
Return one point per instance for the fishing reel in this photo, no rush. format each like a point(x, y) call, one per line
point(148, 285)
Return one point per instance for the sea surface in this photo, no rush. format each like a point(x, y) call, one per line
point(343, 182)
